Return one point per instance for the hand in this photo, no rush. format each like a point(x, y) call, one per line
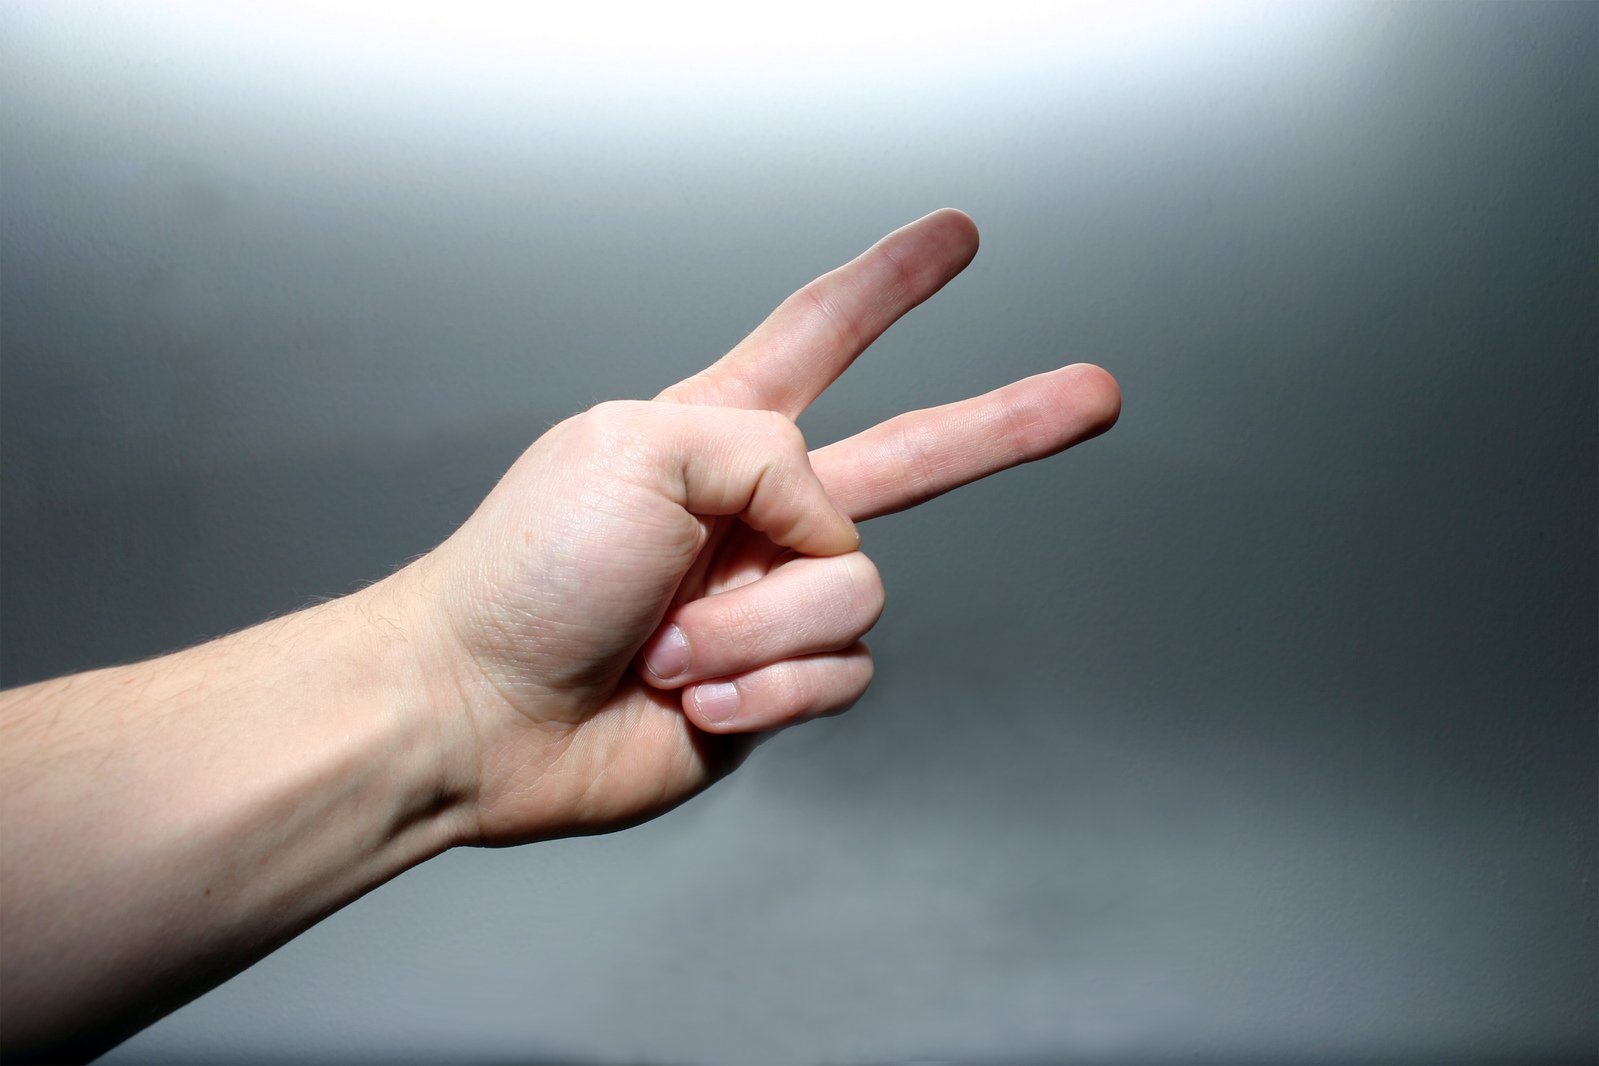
point(653, 581)
point(561, 667)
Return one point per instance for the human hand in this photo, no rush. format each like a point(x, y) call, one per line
point(260, 781)
point(652, 582)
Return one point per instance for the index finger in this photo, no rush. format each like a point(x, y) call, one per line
point(916, 456)
point(815, 334)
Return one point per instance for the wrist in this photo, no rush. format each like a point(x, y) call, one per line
point(403, 655)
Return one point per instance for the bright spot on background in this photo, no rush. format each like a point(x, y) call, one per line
point(826, 46)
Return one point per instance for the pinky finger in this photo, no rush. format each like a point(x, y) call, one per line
point(781, 693)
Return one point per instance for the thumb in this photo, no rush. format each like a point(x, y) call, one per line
point(716, 461)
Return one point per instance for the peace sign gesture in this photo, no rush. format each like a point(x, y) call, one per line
point(653, 581)
point(649, 587)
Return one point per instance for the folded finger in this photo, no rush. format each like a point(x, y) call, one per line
point(805, 606)
point(781, 693)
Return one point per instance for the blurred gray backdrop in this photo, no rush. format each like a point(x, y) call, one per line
point(1261, 728)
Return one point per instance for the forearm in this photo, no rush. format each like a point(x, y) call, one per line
point(168, 823)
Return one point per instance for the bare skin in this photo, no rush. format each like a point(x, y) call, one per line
point(651, 585)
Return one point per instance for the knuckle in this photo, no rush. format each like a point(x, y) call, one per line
point(618, 414)
point(1022, 429)
point(604, 420)
point(743, 629)
point(907, 277)
point(770, 436)
point(865, 666)
point(867, 593)
point(781, 428)
point(820, 300)
point(789, 688)
point(860, 680)
point(615, 430)
point(913, 453)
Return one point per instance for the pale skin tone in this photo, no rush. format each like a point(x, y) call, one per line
point(649, 587)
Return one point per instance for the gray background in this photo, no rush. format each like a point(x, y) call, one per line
point(1263, 727)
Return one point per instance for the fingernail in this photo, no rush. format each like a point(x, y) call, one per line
point(668, 656)
point(717, 702)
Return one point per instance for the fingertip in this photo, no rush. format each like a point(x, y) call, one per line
point(1096, 395)
point(958, 231)
point(838, 541)
point(932, 249)
point(956, 219)
point(831, 535)
point(851, 535)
